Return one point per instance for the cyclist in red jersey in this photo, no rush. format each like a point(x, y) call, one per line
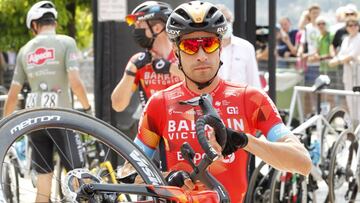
point(196, 28)
point(155, 68)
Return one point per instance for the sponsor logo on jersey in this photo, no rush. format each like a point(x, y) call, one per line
point(40, 56)
point(199, 156)
point(232, 110)
point(185, 129)
point(152, 78)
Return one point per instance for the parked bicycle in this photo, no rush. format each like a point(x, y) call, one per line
point(318, 133)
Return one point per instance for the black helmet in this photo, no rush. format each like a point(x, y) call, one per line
point(195, 16)
point(150, 10)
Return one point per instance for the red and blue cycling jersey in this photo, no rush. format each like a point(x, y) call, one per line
point(241, 107)
point(150, 82)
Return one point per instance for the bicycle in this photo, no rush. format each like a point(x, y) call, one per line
point(344, 178)
point(288, 187)
point(91, 187)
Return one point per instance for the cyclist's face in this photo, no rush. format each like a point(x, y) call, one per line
point(200, 66)
point(143, 25)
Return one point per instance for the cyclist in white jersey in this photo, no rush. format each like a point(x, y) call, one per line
point(49, 62)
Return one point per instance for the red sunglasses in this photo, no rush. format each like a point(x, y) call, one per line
point(132, 18)
point(191, 46)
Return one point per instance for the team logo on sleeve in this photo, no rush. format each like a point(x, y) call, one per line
point(40, 56)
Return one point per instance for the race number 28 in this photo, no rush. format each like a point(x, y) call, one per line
point(49, 99)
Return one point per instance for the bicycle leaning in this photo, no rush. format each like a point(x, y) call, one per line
point(318, 133)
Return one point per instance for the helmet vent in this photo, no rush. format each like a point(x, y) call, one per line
point(183, 14)
point(175, 23)
point(220, 20)
point(47, 6)
point(211, 12)
point(198, 25)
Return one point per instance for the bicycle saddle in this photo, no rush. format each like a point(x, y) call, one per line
point(321, 82)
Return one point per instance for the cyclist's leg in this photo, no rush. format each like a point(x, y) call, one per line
point(42, 164)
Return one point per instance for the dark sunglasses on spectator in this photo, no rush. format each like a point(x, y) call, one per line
point(352, 25)
point(191, 46)
point(322, 23)
point(350, 14)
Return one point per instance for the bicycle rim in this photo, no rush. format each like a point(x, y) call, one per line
point(342, 186)
point(258, 189)
point(287, 187)
point(25, 122)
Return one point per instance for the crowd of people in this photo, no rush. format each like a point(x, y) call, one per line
point(189, 51)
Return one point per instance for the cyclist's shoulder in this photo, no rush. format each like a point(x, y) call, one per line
point(244, 90)
point(173, 92)
point(65, 39)
point(234, 85)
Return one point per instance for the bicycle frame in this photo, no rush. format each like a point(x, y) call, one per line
point(296, 99)
point(163, 193)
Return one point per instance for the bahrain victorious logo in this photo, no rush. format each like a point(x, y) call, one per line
point(41, 55)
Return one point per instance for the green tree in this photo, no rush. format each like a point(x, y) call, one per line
point(74, 19)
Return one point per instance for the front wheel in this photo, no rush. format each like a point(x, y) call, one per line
point(71, 124)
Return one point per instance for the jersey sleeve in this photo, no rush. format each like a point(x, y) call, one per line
point(19, 72)
point(72, 56)
point(261, 112)
point(150, 125)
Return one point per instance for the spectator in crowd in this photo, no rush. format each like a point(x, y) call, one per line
point(349, 56)
point(350, 12)
point(238, 56)
point(340, 20)
point(324, 41)
point(308, 45)
point(286, 45)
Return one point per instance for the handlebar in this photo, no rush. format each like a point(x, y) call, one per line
point(211, 118)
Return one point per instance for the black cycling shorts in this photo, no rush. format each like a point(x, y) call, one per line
point(65, 142)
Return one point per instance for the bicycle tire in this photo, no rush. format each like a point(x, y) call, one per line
point(253, 187)
point(335, 173)
point(12, 175)
point(337, 112)
point(12, 127)
point(274, 198)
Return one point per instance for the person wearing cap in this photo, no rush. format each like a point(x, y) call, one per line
point(349, 57)
point(49, 62)
point(196, 29)
point(350, 12)
point(238, 56)
point(153, 69)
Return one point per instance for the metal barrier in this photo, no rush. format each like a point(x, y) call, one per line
point(301, 89)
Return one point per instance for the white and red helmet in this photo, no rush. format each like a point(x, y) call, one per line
point(38, 10)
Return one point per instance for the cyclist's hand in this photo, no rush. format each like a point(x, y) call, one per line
point(180, 179)
point(213, 142)
point(161, 65)
point(235, 140)
point(142, 59)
